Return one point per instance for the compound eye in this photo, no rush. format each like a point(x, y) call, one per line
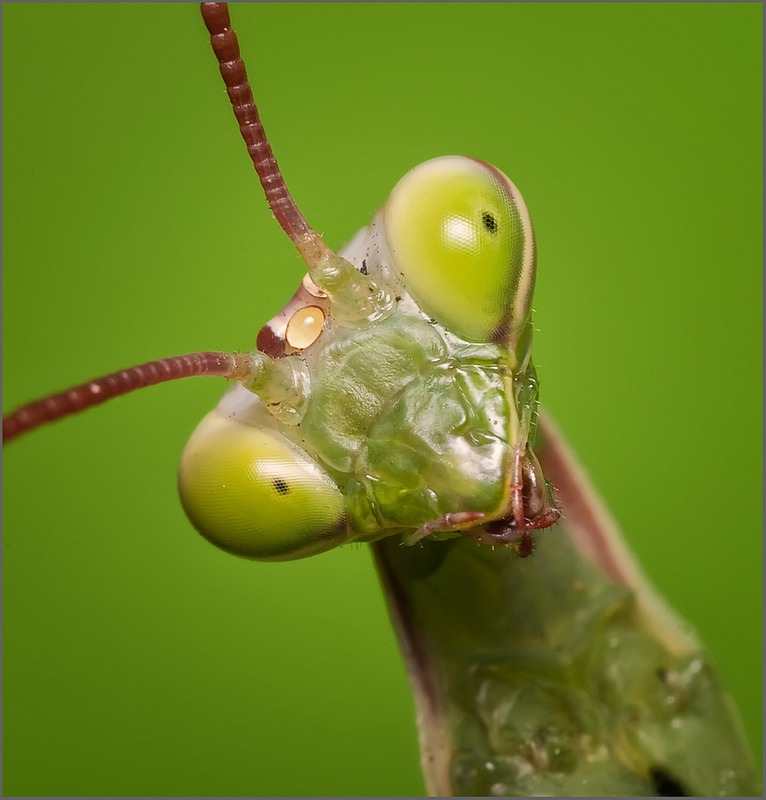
point(460, 235)
point(252, 492)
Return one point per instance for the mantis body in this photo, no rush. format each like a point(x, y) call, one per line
point(279, 582)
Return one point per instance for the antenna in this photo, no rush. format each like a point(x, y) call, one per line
point(95, 392)
point(329, 268)
point(225, 45)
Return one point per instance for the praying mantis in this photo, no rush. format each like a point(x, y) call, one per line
point(72, 652)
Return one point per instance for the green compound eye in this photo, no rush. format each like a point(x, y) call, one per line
point(461, 237)
point(253, 493)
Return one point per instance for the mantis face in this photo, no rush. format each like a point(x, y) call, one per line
point(401, 400)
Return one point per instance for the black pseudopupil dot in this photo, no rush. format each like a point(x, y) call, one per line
point(281, 485)
point(666, 784)
point(489, 221)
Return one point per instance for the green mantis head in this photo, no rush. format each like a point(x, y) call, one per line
point(393, 395)
point(395, 392)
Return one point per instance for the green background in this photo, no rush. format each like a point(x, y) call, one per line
point(140, 660)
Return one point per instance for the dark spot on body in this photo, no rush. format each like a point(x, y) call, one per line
point(665, 784)
point(280, 485)
point(363, 268)
point(489, 221)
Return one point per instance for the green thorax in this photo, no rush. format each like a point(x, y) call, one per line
point(543, 677)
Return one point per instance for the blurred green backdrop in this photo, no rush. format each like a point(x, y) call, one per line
point(138, 659)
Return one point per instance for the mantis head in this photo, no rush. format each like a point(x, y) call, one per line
point(393, 395)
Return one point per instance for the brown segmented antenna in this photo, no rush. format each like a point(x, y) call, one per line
point(226, 48)
point(95, 392)
point(226, 365)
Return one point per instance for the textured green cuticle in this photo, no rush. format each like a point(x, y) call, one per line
point(609, 713)
point(355, 297)
point(356, 376)
point(550, 682)
point(410, 429)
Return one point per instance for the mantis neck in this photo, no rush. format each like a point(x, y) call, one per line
point(552, 675)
